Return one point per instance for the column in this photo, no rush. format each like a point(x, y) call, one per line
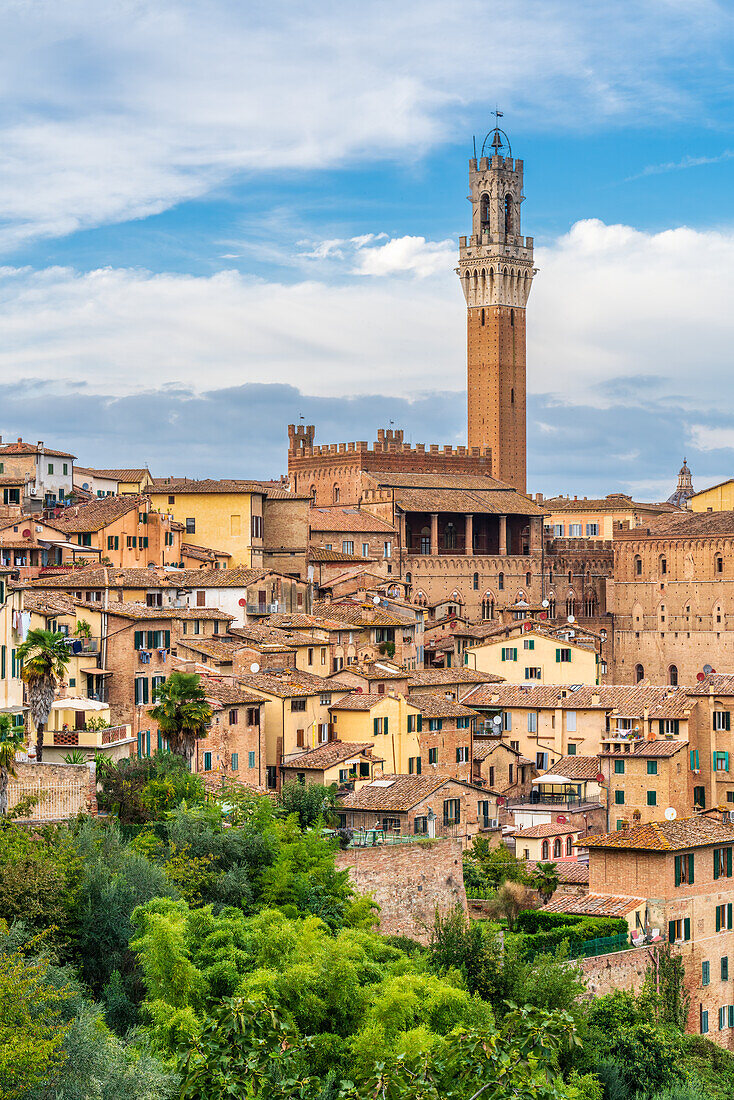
point(434, 533)
point(469, 533)
point(401, 532)
point(536, 532)
point(503, 535)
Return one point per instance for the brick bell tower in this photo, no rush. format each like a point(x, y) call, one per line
point(496, 272)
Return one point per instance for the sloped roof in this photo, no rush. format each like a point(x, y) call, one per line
point(613, 502)
point(239, 577)
point(350, 519)
point(219, 649)
point(329, 754)
point(102, 576)
point(441, 677)
point(286, 682)
point(537, 832)
point(321, 554)
point(21, 448)
point(202, 553)
point(432, 705)
point(115, 475)
point(684, 525)
point(223, 694)
point(648, 750)
point(665, 836)
point(364, 701)
point(142, 611)
point(720, 683)
point(185, 485)
point(575, 768)
point(569, 871)
point(395, 792)
point(98, 513)
point(594, 905)
point(626, 700)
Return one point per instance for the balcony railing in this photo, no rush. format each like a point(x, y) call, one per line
point(536, 798)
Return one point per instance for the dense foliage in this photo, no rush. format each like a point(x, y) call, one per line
point(192, 946)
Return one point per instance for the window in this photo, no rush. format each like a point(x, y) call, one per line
point(365, 549)
point(559, 530)
point(207, 761)
point(639, 674)
point(722, 720)
point(719, 563)
point(190, 526)
point(310, 656)
point(141, 691)
point(721, 761)
point(335, 494)
point(452, 812)
point(463, 723)
point(501, 582)
point(679, 930)
point(435, 724)
point(380, 725)
point(557, 848)
point(571, 721)
point(462, 755)
point(541, 761)
point(433, 756)
point(257, 527)
point(638, 566)
point(475, 581)
point(706, 972)
point(652, 768)
point(722, 862)
point(271, 777)
point(724, 917)
point(571, 750)
point(235, 763)
point(234, 717)
point(669, 725)
point(673, 676)
point(619, 798)
point(704, 1021)
point(663, 566)
point(684, 870)
point(569, 845)
point(347, 546)
point(574, 530)
point(619, 767)
point(544, 851)
point(420, 826)
point(725, 968)
point(652, 798)
point(253, 716)
point(592, 529)
point(532, 721)
point(387, 550)
point(251, 759)
point(50, 467)
point(699, 798)
point(298, 704)
point(509, 653)
point(414, 765)
point(563, 656)
point(532, 673)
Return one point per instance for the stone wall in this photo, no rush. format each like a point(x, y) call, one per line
point(409, 882)
point(619, 970)
point(62, 790)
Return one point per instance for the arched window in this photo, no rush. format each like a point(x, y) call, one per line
point(590, 606)
point(570, 577)
point(639, 674)
point(552, 607)
point(569, 845)
point(449, 536)
point(570, 606)
point(501, 582)
point(718, 564)
point(528, 579)
point(673, 676)
point(484, 213)
point(409, 579)
point(312, 492)
point(557, 850)
point(335, 494)
point(638, 565)
point(487, 608)
point(475, 581)
point(425, 540)
point(544, 851)
point(663, 565)
point(508, 215)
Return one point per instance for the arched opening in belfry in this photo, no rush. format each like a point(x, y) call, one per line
point(508, 215)
point(484, 213)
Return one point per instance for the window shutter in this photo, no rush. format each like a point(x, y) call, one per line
point(727, 720)
point(728, 862)
point(721, 1018)
point(558, 655)
point(705, 973)
point(718, 918)
point(150, 644)
point(145, 689)
point(508, 717)
point(458, 756)
point(385, 724)
point(671, 931)
point(3, 658)
point(677, 870)
point(687, 928)
point(160, 742)
point(419, 722)
point(138, 639)
point(375, 726)
point(697, 765)
point(690, 870)
point(167, 634)
point(726, 761)
point(728, 915)
point(691, 753)
point(716, 863)
point(731, 1015)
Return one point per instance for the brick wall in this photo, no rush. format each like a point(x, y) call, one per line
point(409, 882)
point(240, 737)
point(446, 741)
point(620, 970)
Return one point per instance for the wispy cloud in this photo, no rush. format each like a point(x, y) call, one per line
point(680, 165)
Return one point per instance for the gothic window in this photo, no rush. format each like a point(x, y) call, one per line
point(482, 316)
point(408, 578)
point(569, 845)
point(570, 577)
point(544, 851)
point(639, 674)
point(449, 536)
point(590, 606)
point(528, 579)
point(512, 396)
point(475, 581)
point(487, 607)
point(552, 607)
point(512, 318)
point(501, 582)
point(557, 850)
point(508, 215)
point(425, 540)
point(718, 564)
point(484, 213)
point(336, 494)
point(570, 605)
point(663, 566)
point(673, 676)
point(638, 565)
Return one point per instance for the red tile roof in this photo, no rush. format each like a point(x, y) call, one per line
point(21, 448)
point(665, 836)
point(99, 512)
point(537, 832)
point(594, 905)
point(347, 519)
point(333, 752)
point(395, 792)
point(575, 768)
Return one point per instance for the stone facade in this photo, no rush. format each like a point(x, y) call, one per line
point(62, 790)
point(410, 883)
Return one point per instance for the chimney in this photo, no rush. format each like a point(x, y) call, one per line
point(40, 444)
point(19, 439)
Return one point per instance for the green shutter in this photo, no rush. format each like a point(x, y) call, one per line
point(697, 764)
point(716, 863)
point(728, 915)
point(145, 689)
point(558, 655)
point(692, 755)
point(2, 662)
point(718, 918)
point(687, 928)
point(167, 634)
point(138, 639)
point(420, 723)
point(728, 862)
point(671, 931)
point(705, 973)
point(690, 870)
point(375, 727)
point(385, 726)
point(677, 870)
point(726, 761)
point(150, 639)
point(12, 662)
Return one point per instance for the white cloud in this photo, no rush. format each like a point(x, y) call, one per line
point(121, 109)
point(415, 255)
point(705, 438)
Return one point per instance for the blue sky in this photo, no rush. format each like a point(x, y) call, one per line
point(215, 218)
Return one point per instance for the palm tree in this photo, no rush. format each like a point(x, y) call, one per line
point(545, 880)
point(182, 712)
point(45, 656)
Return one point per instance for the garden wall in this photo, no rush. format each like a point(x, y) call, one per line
point(409, 882)
point(62, 790)
point(620, 970)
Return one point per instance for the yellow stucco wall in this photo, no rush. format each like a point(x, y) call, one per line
point(223, 522)
point(11, 687)
point(395, 747)
point(719, 497)
point(581, 669)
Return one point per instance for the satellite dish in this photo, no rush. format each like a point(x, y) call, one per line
point(254, 667)
point(242, 602)
point(671, 813)
point(571, 619)
point(375, 600)
point(546, 603)
point(707, 669)
point(497, 721)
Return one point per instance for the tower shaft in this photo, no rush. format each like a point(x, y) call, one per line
point(496, 271)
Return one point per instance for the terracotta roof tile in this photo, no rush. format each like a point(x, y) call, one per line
point(333, 752)
point(432, 705)
point(665, 836)
point(683, 525)
point(353, 613)
point(718, 683)
point(485, 748)
point(441, 677)
point(321, 554)
point(141, 611)
point(568, 871)
point(202, 553)
point(114, 475)
point(594, 905)
point(185, 485)
point(221, 650)
point(228, 694)
point(239, 577)
point(98, 513)
point(575, 768)
point(100, 576)
point(364, 701)
point(21, 448)
point(286, 683)
point(539, 831)
point(347, 519)
point(649, 749)
point(614, 502)
point(395, 792)
point(627, 700)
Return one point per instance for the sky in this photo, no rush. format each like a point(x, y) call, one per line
point(217, 218)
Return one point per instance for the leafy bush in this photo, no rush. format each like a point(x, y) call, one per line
point(556, 928)
point(308, 802)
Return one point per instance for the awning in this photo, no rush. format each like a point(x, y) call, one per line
point(68, 546)
point(96, 671)
point(76, 703)
point(556, 779)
